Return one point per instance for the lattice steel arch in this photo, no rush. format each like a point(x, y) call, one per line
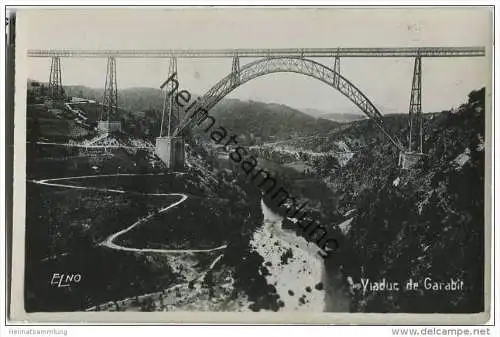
point(287, 64)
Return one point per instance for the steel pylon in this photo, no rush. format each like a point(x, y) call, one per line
point(55, 81)
point(235, 71)
point(336, 68)
point(169, 106)
point(415, 110)
point(110, 99)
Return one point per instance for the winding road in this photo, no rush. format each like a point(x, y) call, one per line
point(108, 242)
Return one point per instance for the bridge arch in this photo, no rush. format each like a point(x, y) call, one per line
point(302, 66)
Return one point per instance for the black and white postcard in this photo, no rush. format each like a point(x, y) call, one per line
point(247, 165)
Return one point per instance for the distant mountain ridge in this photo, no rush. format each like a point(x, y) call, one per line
point(334, 116)
point(140, 112)
point(260, 121)
point(131, 99)
point(144, 98)
point(251, 119)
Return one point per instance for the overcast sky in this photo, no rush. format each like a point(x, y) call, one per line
point(385, 81)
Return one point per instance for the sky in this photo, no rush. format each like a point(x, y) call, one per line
point(385, 81)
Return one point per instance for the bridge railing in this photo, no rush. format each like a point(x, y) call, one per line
point(477, 51)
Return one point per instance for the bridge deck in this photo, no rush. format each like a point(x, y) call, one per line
point(257, 53)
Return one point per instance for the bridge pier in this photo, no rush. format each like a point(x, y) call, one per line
point(409, 158)
point(55, 80)
point(171, 151)
point(109, 126)
point(109, 107)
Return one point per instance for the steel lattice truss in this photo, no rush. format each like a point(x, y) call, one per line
point(55, 81)
point(262, 52)
point(169, 105)
point(415, 111)
point(297, 65)
point(110, 98)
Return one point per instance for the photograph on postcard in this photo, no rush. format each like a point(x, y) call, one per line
point(254, 160)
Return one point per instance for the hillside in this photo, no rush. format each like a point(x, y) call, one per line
point(76, 220)
point(335, 116)
point(396, 225)
point(254, 121)
point(130, 99)
point(258, 122)
point(65, 228)
point(427, 222)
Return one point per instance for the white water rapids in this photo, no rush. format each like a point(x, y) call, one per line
point(304, 269)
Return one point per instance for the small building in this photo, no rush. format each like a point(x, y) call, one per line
point(33, 85)
point(79, 100)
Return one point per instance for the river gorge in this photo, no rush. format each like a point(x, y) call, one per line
point(296, 269)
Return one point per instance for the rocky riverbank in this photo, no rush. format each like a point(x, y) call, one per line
point(295, 269)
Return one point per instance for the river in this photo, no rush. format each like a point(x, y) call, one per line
point(303, 275)
point(300, 274)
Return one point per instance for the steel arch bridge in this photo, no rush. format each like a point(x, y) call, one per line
point(298, 65)
point(296, 60)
